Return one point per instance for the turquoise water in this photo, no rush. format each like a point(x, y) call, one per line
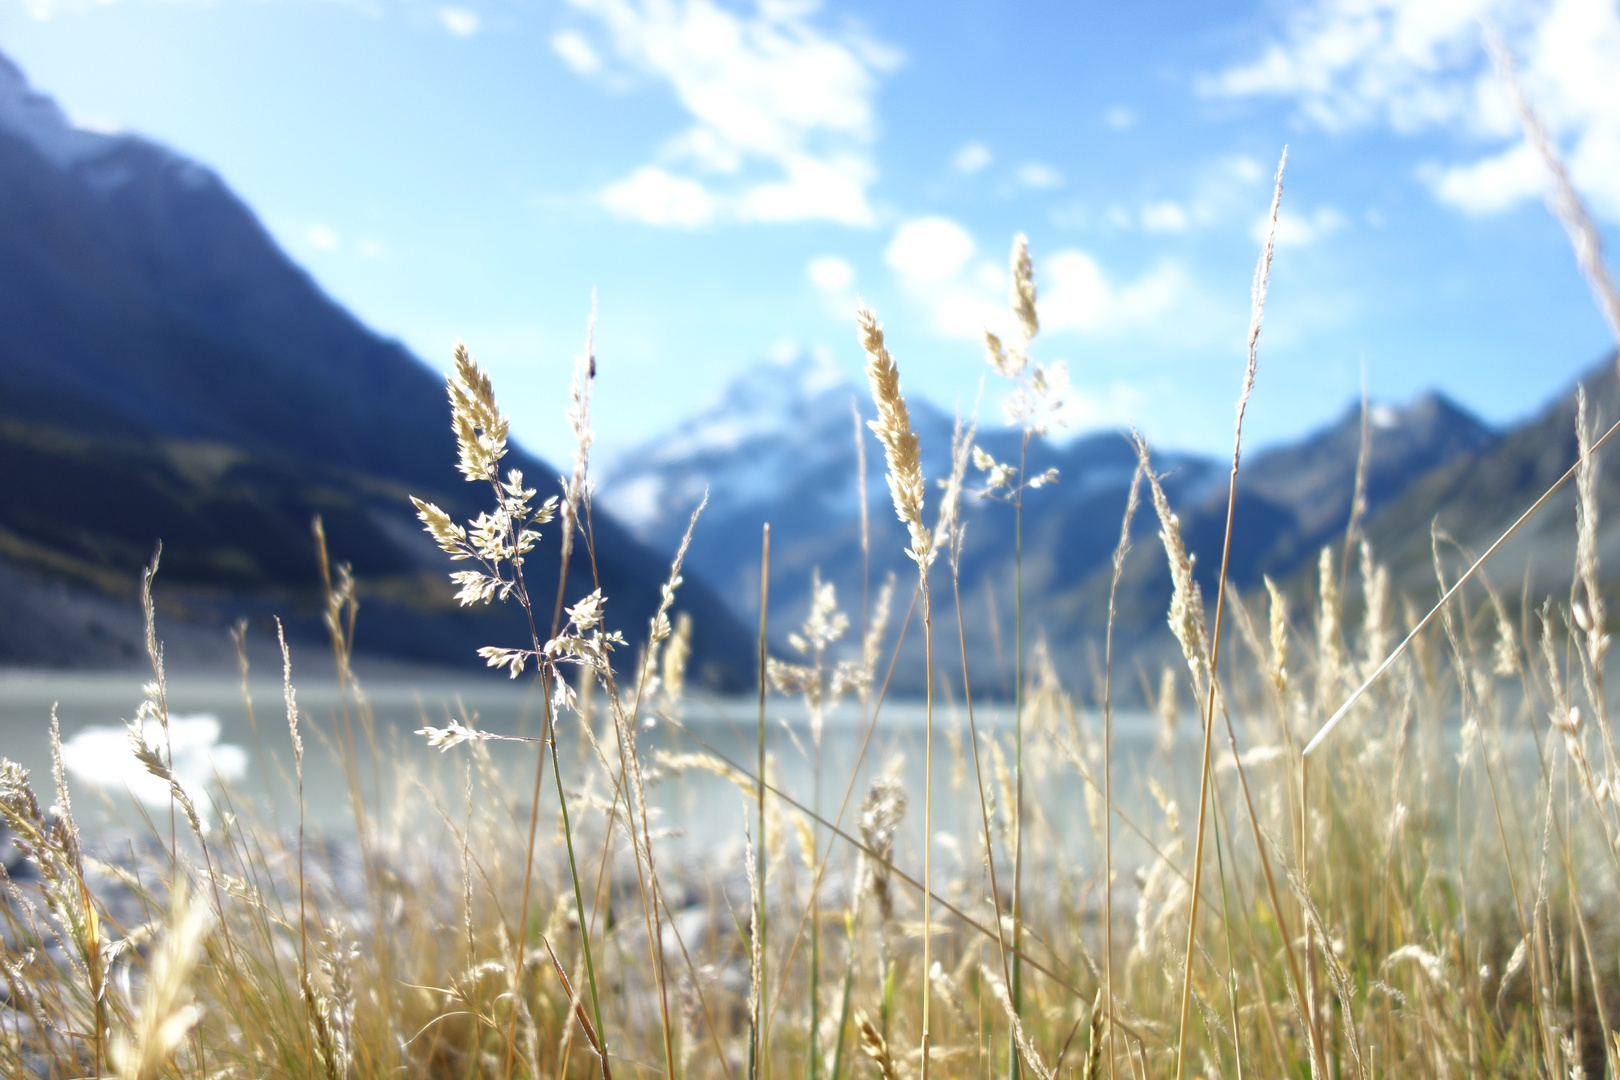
point(696, 809)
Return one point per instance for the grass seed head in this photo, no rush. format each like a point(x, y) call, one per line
point(166, 1013)
point(1186, 598)
point(881, 812)
point(893, 429)
point(480, 428)
point(1278, 626)
point(1022, 293)
point(875, 1047)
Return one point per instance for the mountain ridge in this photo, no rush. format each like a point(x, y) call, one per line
point(159, 352)
point(798, 458)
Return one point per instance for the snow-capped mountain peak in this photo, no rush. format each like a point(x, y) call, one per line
point(777, 423)
point(773, 398)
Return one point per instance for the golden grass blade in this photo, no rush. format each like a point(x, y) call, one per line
point(1257, 307)
point(1121, 550)
point(1566, 204)
point(758, 1068)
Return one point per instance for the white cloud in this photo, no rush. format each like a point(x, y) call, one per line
point(460, 21)
point(1120, 118)
point(321, 236)
point(1244, 168)
point(1078, 296)
point(576, 52)
point(1221, 192)
point(655, 197)
point(830, 274)
point(932, 257)
point(971, 158)
point(1035, 174)
point(831, 188)
point(782, 110)
point(1087, 408)
point(934, 260)
point(929, 249)
point(1295, 229)
point(1491, 184)
point(1164, 216)
point(99, 124)
point(1414, 65)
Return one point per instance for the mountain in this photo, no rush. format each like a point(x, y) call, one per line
point(1312, 482)
point(1473, 498)
point(167, 372)
point(778, 445)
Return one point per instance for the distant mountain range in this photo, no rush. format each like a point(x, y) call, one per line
point(778, 445)
point(166, 372)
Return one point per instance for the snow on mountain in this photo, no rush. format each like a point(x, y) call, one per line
point(778, 445)
point(783, 426)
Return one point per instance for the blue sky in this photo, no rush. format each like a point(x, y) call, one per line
point(730, 176)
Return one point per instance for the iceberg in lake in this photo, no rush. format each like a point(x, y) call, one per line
point(101, 755)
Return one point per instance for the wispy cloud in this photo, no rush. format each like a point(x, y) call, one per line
point(1079, 296)
point(1301, 228)
point(830, 274)
point(576, 52)
point(782, 109)
point(971, 158)
point(319, 240)
point(1166, 215)
point(1039, 175)
point(929, 249)
point(1113, 404)
point(656, 196)
point(1120, 118)
point(321, 236)
point(1415, 65)
point(1218, 193)
point(460, 21)
point(931, 258)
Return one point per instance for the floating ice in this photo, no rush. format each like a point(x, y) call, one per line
point(101, 755)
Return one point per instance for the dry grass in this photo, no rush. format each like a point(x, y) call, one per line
point(1423, 894)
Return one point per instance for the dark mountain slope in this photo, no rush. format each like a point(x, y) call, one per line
point(1475, 497)
point(166, 372)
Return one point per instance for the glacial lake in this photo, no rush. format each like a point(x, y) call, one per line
point(249, 763)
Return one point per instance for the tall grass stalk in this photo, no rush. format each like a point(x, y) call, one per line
point(1121, 550)
point(497, 543)
point(1031, 405)
point(893, 429)
point(1002, 950)
point(290, 699)
point(761, 1038)
point(1018, 763)
point(1262, 277)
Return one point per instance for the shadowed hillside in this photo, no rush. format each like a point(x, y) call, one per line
point(166, 372)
